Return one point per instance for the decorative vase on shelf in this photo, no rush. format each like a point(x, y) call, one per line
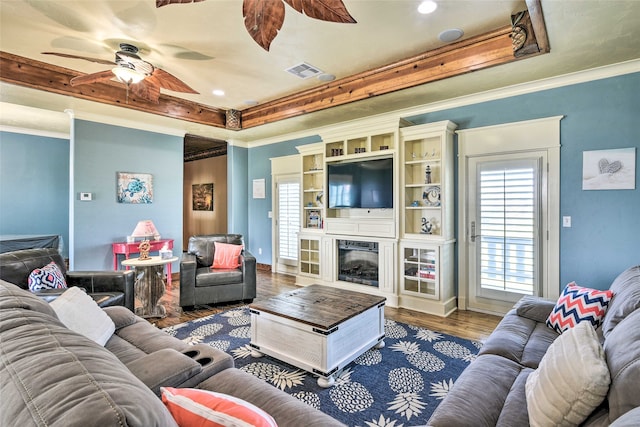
point(427, 175)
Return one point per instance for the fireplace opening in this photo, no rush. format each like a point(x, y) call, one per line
point(358, 262)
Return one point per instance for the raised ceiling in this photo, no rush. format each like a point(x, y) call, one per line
point(206, 45)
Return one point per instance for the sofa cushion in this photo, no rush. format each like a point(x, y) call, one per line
point(626, 298)
point(579, 304)
point(208, 277)
point(12, 296)
point(622, 349)
point(80, 313)
point(226, 255)
point(152, 370)
point(204, 408)
point(520, 339)
point(534, 308)
point(120, 316)
point(571, 381)
point(43, 362)
point(489, 392)
point(48, 277)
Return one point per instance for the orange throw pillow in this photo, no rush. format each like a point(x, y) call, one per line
point(226, 255)
point(203, 408)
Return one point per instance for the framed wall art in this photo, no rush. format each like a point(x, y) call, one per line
point(202, 197)
point(609, 169)
point(134, 187)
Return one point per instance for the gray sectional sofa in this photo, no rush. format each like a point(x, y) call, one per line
point(51, 375)
point(491, 391)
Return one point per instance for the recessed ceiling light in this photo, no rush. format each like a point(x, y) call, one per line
point(324, 77)
point(427, 6)
point(450, 35)
point(218, 92)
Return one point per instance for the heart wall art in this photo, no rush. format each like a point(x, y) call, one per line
point(609, 169)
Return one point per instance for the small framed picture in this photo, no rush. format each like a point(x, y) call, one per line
point(202, 197)
point(134, 187)
point(609, 169)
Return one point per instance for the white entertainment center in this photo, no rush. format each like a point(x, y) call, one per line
point(357, 236)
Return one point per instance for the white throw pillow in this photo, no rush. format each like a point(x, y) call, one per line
point(80, 313)
point(571, 380)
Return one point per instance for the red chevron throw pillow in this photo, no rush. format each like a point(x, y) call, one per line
point(577, 304)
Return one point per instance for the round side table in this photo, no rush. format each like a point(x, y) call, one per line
point(150, 284)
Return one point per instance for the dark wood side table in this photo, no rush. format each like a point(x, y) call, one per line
point(126, 249)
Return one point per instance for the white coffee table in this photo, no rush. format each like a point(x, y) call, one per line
point(317, 328)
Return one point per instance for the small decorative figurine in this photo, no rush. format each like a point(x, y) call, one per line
point(427, 226)
point(144, 248)
point(427, 175)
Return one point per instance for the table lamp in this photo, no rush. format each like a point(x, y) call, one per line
point(145, 229)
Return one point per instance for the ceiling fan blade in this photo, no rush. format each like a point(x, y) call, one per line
point(92, 78)
point(263, 20)
point(146, 89)
point(325, 10)
point(86, 58)
point(160, 3)
point(168, 81)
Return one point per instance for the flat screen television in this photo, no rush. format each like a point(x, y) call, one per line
point(361, 184)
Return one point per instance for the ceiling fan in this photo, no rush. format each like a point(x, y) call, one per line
point(144, 80)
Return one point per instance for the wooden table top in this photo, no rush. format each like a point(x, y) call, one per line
point(320, 306)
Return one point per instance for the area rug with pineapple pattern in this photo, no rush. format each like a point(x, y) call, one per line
point(398, 385)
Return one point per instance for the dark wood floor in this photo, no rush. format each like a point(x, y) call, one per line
point(465, 324)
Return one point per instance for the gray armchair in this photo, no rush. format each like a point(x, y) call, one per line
point(107, 288)
point(200, 284)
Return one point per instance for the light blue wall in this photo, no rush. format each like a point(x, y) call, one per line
point(237, 192)
point(260, 167)
point(34, 185)
point(601, 114)
point(100, 152)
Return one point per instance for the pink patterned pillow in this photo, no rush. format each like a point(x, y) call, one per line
point(48, 277)
point(577, 304)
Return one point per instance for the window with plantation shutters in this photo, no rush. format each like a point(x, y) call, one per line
point(507, 227)
point(288, 220)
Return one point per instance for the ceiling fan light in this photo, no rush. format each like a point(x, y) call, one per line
point(127, 75)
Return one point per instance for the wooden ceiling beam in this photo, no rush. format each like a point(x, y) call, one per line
point(51, 78)
point(487, 50)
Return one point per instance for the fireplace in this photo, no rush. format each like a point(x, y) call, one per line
point(358, 262)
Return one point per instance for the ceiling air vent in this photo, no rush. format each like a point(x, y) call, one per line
point(304, 70)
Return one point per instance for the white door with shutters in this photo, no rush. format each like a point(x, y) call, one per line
point(505, 226)
point(287, 224)
point(508, 222)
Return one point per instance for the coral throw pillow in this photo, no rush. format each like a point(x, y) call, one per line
point(48, 277)
point(203, 408)
point(226, 255)
point(577, 304)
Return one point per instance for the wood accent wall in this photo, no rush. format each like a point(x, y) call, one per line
point(205, 171)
